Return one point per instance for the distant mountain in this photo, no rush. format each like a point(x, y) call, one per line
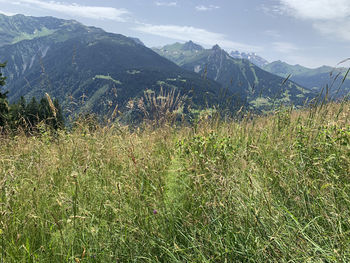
point(86, 68)
point(180, 53)
point(283, 69)
point(315, 79)
point(252, 57)
point(252, 85)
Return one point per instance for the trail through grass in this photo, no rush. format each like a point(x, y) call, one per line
point(264, 189)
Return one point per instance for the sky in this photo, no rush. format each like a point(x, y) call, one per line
point(311, 33)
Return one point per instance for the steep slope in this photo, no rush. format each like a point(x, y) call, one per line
point(250, 84)
point(89, 69)
point(316, 79)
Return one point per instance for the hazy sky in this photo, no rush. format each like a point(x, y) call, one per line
point(307, 32)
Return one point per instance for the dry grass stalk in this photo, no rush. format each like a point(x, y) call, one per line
point(52, 106)
point(162, 106)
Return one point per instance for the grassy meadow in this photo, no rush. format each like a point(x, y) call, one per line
point(274, 188)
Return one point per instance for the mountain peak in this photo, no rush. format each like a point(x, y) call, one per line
point(252, 57)
point(191, 46)
point(216, 47)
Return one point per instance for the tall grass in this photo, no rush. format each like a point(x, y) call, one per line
point(264, 189)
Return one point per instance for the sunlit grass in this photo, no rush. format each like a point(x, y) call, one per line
point(267, 189)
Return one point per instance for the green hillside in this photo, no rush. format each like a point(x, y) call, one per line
point(16, 28)
point(268, 189)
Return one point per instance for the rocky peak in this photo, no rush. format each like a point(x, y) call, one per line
point(191, 46)
point(216, 48)
point(252, 57)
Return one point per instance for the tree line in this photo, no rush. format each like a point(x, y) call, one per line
point(28, 116)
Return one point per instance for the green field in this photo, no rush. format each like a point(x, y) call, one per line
point(262, 189)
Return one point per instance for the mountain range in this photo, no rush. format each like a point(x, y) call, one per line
point(315, 79)
point(90, 70)
point(250, 84)
point(86, 68)
point(318, 79)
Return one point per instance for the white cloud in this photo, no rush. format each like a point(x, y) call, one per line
point(318, 9)
point(284, 47)
point(166, 3)
point(206, 8)
point(340, 29)
point(198, 35)
point(75, 10)
point(330, 17)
